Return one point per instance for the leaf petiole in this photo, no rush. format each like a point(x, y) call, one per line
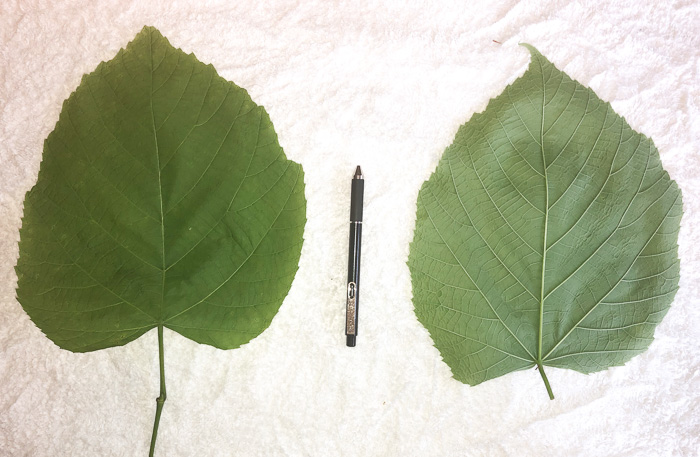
point(540, 368)
point(160, 401)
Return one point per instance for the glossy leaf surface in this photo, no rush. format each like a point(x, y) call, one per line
point(163, 198)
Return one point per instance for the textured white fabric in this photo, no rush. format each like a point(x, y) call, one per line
point(386, 86)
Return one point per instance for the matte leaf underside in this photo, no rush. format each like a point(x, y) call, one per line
point(547, 235)
point(163, 200)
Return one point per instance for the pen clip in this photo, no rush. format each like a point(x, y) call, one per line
point(351, 309)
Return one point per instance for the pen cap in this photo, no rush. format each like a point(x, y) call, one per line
point(356, 197)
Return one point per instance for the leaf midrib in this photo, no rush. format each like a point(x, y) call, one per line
point(546, 219)
point(160, 185)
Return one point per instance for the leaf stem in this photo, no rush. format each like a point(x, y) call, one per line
point(160, 401)
point(540, 368)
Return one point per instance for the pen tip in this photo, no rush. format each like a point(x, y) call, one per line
point(358, 173)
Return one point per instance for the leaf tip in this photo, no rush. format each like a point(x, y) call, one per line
point(147, 34)
point(533, 50)
point(149, 30)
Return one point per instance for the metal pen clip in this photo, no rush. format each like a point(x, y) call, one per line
point(350, 310)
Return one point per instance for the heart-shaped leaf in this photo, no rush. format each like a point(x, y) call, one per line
point(547, 236)
point(164, 200)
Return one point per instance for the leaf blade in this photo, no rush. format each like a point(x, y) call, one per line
point(543, 198)
point(159, 177)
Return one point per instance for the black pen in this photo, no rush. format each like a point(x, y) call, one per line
point(353, 289)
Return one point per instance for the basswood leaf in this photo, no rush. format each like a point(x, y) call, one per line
point(547, 235)
point(164, 200)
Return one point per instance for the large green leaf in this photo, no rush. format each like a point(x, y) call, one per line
point(547, 236)
point(163, 200)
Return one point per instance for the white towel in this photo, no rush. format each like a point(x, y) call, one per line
point(386, 86)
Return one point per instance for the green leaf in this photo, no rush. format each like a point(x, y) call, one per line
point(547, 235)
point(163, 200)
